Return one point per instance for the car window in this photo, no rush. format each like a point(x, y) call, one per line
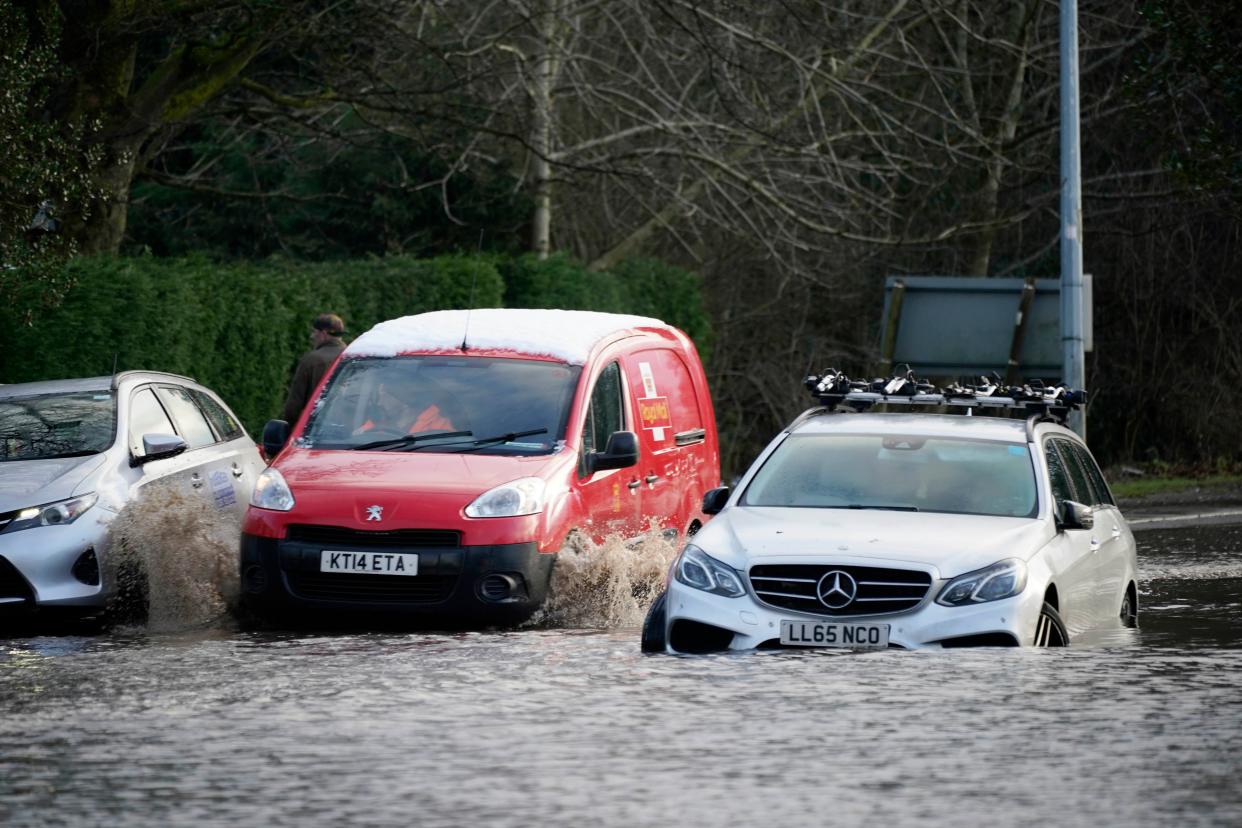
point(191, 424)
point(146, 416)
point(56, 425)
point(1062, 489)
point(1099, 489)
point(905, 473)
point(1077, 474)
point(606, 413)
point(222, 421)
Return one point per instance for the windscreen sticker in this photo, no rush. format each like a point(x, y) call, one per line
point(1018, 450)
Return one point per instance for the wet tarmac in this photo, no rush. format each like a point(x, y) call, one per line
point(221, 726)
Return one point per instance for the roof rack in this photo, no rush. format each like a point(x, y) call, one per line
point(835, 391)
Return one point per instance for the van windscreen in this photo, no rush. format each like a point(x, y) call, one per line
point(485, 405)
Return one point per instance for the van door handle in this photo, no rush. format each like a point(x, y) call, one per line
point(634, 484)
point(651, 478)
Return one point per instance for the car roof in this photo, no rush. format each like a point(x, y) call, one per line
point(70, 386)
point(1000, 429)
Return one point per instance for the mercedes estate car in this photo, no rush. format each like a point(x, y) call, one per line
point(904, 530)
point(74, 452)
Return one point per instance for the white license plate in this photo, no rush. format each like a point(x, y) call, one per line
point(368, 563)
point(821, 634)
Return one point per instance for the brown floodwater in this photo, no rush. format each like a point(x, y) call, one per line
point(569, 724)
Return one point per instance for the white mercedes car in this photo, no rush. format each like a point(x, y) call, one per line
point(906, 530)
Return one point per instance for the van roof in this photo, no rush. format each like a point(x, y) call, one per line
point(565, 335)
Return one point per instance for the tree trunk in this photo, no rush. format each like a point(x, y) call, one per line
point(546, 68)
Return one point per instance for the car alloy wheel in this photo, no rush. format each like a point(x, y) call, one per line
point(1129, 613)
point(1050, 629)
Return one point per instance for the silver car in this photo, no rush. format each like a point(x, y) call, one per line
point(74, 452)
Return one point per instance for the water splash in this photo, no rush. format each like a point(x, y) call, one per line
point(176, 554)
point(608, 585)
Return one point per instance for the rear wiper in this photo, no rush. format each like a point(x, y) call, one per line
point(471, 445)
point(408, 440)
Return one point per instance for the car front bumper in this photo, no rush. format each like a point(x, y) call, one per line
point(503, 583)
point(753, 623)
point(55, 566)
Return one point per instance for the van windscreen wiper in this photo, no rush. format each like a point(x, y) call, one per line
point(471, 445)
point(408, 440)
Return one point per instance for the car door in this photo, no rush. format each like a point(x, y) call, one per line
point(146, 416)
point(612, 497)
point(1115, 542)
point(1074, 552)
point(670, 433)
point(244, 461)
point(209, 467)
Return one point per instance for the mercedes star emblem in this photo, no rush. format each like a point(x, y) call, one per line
point(836, 589)
point(377, 513)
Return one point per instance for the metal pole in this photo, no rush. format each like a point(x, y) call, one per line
point(1073, 360)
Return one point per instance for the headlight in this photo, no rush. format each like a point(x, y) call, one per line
point(1003, 579)
point(51, 514)
point(272, 492)
point(695, 568)
point(520, 497)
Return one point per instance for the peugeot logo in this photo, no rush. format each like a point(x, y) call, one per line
point(836, 589)
point(377, 513)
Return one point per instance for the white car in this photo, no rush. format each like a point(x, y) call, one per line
point(905, 530)
point(74, 452)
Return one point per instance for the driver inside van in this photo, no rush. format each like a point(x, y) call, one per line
point(392, 410)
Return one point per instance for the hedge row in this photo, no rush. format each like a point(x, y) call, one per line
point(240, 328)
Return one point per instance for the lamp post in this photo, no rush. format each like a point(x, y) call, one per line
point(1073, 360)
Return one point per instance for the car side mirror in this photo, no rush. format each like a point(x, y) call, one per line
point(160, 447)
point(714, 500)
point(1076, 516)
point(275, 435)
point(620, 453)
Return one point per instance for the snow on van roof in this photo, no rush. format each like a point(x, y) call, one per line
point(562, 334)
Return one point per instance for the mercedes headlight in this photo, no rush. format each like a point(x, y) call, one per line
point(1003, 579)
point(519, 497)
point(272, 492)
point(51, 514)
point(695, 568)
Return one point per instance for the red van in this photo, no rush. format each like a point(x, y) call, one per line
point(446, 457)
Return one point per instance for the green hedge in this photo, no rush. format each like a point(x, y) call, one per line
point(240, 328)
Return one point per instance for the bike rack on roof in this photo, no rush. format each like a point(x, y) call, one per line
point(1036, 400)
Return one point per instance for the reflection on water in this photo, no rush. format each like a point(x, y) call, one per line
point(572, 727)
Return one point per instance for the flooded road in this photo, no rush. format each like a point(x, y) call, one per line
point(221, 726)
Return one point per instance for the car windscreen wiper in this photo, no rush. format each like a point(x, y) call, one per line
point(471, 445)
point(408, 440)
point(879, 506)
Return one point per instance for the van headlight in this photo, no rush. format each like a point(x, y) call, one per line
point(695, 568)
point(51, 514)
point(519, 497)
point(272, 492)
point(1003, 579)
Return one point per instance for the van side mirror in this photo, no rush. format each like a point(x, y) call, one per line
point(714, 500)
point(1075, 516)
point(620, 453)
point(275, 435)
point(160, 446)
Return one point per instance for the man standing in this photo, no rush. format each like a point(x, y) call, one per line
point(326, 332)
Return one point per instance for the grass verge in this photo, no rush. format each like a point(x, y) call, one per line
point(1168, 485)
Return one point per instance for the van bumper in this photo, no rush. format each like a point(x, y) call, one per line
point(498, 584)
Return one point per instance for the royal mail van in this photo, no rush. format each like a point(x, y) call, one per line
point(446, 458)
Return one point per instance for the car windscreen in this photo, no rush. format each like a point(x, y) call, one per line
point(56, 425)
point(902, 473)
point(483, 405)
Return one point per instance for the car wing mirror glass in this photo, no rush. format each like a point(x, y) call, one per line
point(275, 435)
point(1076, 515)
point(160, 446)
point(620, 453)
point(714, 500)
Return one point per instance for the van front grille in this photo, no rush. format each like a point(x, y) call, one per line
point(877, 590)
point(372, 589)
point(343, 536)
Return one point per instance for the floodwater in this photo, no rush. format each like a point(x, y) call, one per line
point(217, 725)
